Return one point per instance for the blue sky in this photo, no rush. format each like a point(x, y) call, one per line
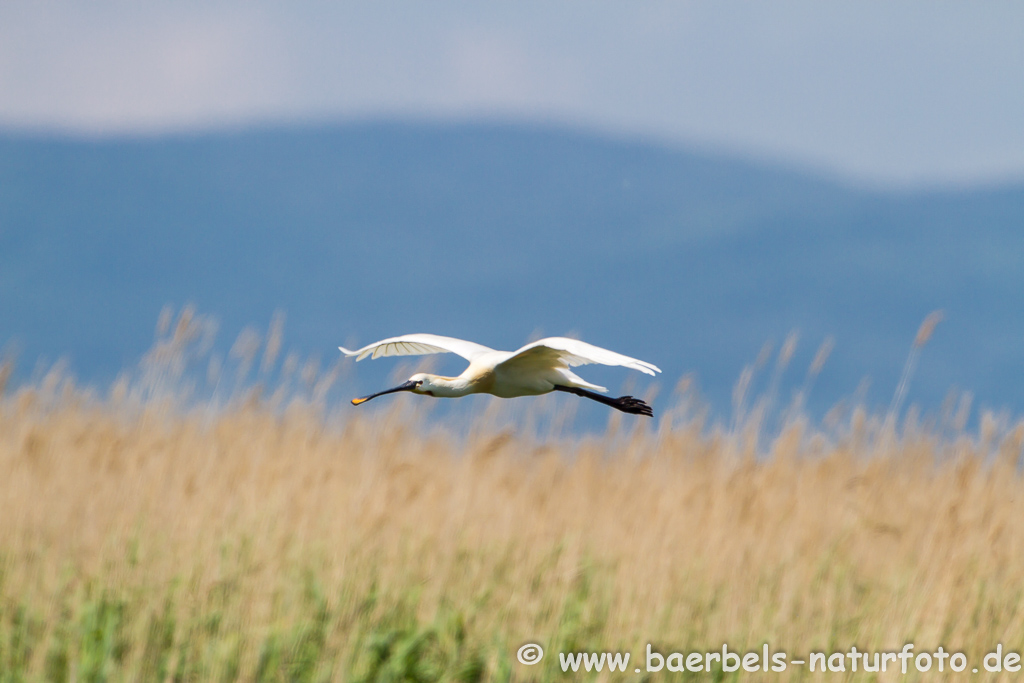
point(881, 93)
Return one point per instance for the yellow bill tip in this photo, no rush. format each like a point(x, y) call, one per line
point(357, 401)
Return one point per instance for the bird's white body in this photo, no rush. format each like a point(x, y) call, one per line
point(537, 368)
point(486, 374)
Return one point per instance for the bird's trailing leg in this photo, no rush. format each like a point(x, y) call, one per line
point(626, 404)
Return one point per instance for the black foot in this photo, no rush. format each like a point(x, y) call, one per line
point(635, 406)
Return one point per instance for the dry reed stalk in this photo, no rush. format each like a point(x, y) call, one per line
point(275, 337)
point(924, 333)
point(781, 363)
point(677, 538)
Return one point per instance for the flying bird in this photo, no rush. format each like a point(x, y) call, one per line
point(537, 368)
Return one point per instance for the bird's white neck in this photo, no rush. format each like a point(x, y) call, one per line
point(446, 387)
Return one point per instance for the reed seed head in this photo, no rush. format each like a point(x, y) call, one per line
point(822, 355)
point(924, 333)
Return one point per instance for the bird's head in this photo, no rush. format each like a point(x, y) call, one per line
point(421, 382)
point(429, 385)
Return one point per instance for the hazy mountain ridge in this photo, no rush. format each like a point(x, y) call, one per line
point(492, 232)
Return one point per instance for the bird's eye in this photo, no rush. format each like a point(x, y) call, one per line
point(419, 382)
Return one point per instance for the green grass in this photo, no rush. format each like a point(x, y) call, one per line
point(253, 545)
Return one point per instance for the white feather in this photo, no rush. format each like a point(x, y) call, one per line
point(418, 345)
point(574, 352)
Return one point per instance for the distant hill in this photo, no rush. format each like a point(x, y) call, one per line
point(494, 232)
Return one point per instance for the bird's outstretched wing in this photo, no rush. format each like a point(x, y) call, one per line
point(418, 345)
point(555, 351)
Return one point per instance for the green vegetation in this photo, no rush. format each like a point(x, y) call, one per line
point(267, 542)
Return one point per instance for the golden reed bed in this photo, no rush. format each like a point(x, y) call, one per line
point(139, 542)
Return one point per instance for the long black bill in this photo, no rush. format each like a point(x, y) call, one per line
point(408, 386)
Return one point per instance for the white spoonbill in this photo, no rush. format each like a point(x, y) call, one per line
point(537, 368)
